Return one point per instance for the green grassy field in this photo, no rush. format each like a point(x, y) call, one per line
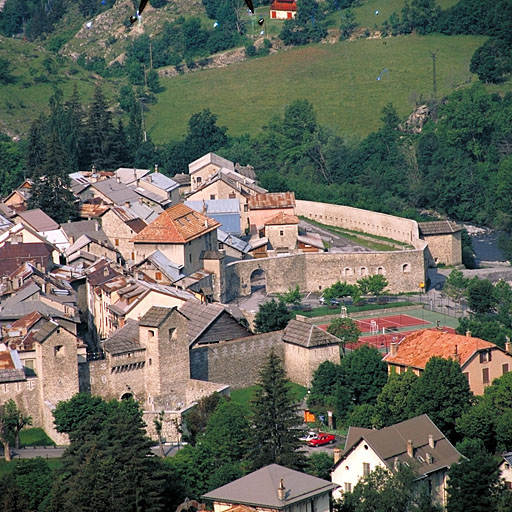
point(339, 80)
point(35, 437)
point(37, 73)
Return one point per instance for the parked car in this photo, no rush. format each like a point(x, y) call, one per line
point(332, 302)
point(308, 436)
point(322, 439)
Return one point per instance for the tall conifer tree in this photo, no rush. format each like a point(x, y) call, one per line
point(100, 132)
point(274, 438)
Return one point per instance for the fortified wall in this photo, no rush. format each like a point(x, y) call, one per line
point(313, 272)
point(346, 217)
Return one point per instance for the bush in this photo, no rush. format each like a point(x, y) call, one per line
point(250, 51)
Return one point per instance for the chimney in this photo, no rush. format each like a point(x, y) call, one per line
point(455, 354)
point(69, 220)
point(508, 345)
point(156, 167)
point(429, 458)
point(337, 455)
point(410, 448)
point(468, 334)
point(431, 441)
point(118, 179)
point(205, 208)
point(205, 223)
point(280, 490)
point(393, 348)
point(127, 204)
point(96, 226)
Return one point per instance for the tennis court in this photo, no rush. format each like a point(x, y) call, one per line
point(375, 325)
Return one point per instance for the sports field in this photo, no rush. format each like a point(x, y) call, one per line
point(381, 330)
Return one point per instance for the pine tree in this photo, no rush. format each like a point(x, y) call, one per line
point(75, 132)
point(100, 132)
point(36, 146)
point(51, 190)
point(274, 436)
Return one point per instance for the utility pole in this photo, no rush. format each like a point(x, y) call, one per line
point(434, 85)
point(150, 56)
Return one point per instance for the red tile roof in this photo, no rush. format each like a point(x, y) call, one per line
point(177, 225)
point(280, 219)
point(272, 200)
point(283, 6)
point(416, 349)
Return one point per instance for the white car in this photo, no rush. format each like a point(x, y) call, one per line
point(307, 437)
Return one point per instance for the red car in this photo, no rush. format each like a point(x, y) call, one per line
point(322, 439)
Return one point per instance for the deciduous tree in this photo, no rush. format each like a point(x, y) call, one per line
point(346, 330)
point(272, 316)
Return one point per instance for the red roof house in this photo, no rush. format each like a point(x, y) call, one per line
point(283, 9)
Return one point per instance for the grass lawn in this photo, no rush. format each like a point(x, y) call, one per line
point(243, 396)
point(339, 80)
point(35, 437)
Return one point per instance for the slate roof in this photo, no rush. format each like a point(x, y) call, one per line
point(38, 220)
point(233, 241)
point(129, 175)
point(84, 227)
point(307, 335)
point(200, 316)
point(177, 225)
point(416, 349)
point(125, 339)
point(161, 181)
point(313, 239)
point(390, 444)
point(281, 219)
point(11, 369)
point(155, 316)
point(47, 328)
point(85, 240)
point(272, 200)
point(440, 227)
point(24, 308)
point(246, 170)
point(14, 255)
point(169, 269)
point(260, 488)
point(210, 158)
point(118, 193)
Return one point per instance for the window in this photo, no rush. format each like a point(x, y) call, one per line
point(281, 233)
point(58, 349)
point(232, 195)
point(221, 246)
point(198, 179)
point(158, 276)
point(504, 368)
point(212, 196)
point(485, 375)
point(172, 333)
point(246, 208)
point(366, 468)
point(381, 271)
point(151, 333)
point(363, 271)
point(29, 363)
point(133, 255)
point(190, 258)
point(485, 357)
point(406, 268)
point(348, 487)
point(117, 241)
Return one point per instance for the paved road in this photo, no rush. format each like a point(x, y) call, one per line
point(336, 243)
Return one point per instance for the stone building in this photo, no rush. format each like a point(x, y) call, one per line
point(181, 234)
point(282, 231)
point(268, 205)
point(444, 242)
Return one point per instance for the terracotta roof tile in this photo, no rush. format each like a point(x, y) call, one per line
point(416, 349)
point(272, 200)
point(283, 6)
point(177, 225)
point(280, 219)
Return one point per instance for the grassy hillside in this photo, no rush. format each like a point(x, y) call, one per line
point(36, 73)
point(340, 80)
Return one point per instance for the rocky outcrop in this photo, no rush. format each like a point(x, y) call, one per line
point(415, 122)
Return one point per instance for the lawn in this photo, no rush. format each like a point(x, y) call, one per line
point(339, 79)
point(35, 437)
point(243, 396)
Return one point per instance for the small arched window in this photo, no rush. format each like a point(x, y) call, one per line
point(381, 270)
point(406, 268)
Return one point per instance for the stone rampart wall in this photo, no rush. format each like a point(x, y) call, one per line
point(381, 224)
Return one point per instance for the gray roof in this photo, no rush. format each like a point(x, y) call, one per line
point(233, 241)
point(38, 220)
point(145, 212)
point(129, 174)
point(20, 296)
point(307, 335)
point(118, 193)
point(12, 375)
point(5, 223)
point(161, 181)
point(508, 457)
point(440, 227)
point(29, 306)
point(84, 241)
point(47, 328)
point(260, 488)
point(215, 206)
point(152, 196)
point(200, 316)
point(390, 444)
point(78, 185)
point(210, 158)
point(170, 269)
point(155, 316)
point(84, 227)
point(124, 340)
point(182, 179)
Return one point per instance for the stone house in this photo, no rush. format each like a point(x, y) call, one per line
point(233, 247)
point(74, 230)
point(226, 184)
point(283, 9)
point(480, 361)
point(18, 198)
point(273, 488)
point(120, 225)
point(416, 442)
point(94, 246)
point(158, 189)
point(282, 232)
point(158, 268)
point(183, 180)
point(444, 242)
point(201, 169)
point(54, 377)
point(268, 205)
point(306, 346)
point(181, 234)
